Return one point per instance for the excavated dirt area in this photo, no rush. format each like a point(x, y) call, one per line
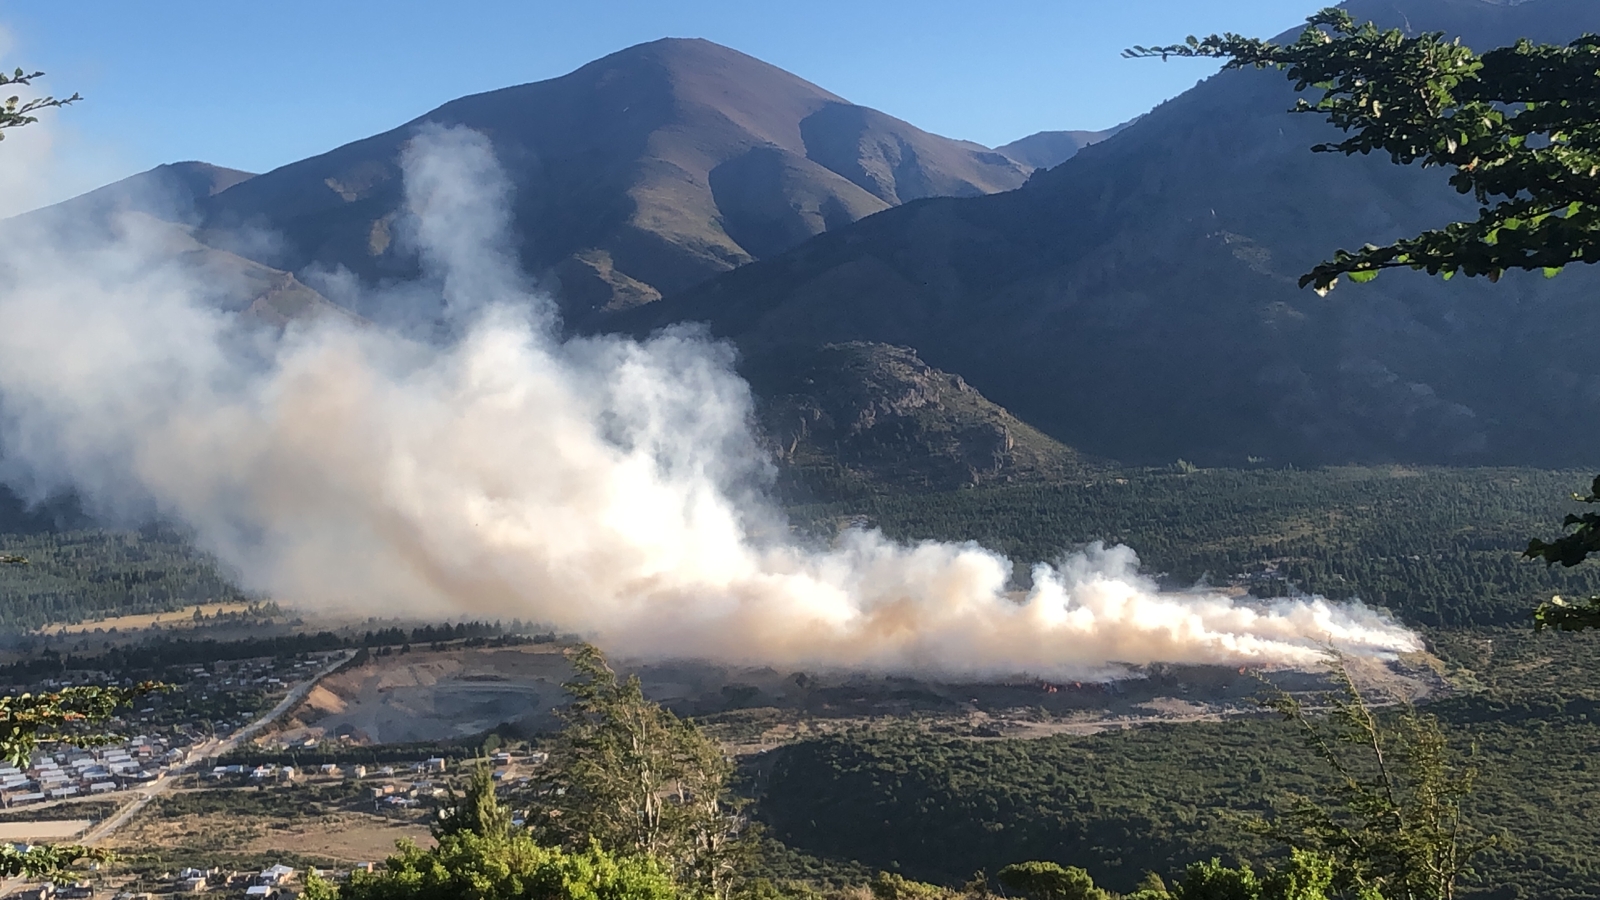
point(425, 695)
point(429, 695)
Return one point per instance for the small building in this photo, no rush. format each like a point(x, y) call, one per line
point(102, 787)
point(81, 890)
point(433, 764)
point(192, 885)
point(275, 875)
point(357, 771)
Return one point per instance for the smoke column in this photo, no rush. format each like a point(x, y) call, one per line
point(600, 485)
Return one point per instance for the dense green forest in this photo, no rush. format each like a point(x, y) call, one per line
point(1437, 546)
point(1156, 798)
point(75, 576)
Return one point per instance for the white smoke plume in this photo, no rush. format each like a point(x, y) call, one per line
point(600, 485)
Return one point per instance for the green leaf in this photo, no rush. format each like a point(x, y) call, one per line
point(1363, 276)
point(1552, 271)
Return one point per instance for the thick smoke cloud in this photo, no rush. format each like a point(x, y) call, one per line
point(602, 485)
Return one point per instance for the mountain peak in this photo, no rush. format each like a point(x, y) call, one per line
point(637, 175)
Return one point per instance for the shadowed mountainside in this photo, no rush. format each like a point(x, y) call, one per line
point(1139, 301)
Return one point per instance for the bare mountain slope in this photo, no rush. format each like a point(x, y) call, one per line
point(162, 205)
point(171, 192)
point(639, 174)
point(1048, 149)
point(1139, 300)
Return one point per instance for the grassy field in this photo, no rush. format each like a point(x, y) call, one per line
point(175, 620)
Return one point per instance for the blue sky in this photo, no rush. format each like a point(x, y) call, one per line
point(255, 85)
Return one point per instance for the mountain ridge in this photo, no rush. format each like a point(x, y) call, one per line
point(1138, 302)
point(639, 174)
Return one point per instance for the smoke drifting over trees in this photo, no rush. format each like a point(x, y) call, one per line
point(606, 486)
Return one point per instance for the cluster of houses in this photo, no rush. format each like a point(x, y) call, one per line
point(270, 882)
point(269, 773)
point(79, 773)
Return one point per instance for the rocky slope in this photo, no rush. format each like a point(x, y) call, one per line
point(862, 416)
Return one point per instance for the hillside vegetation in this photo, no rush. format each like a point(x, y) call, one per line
point(1156, 798)
point(75, 576)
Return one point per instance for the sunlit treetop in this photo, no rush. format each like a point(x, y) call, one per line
point(1518, 126)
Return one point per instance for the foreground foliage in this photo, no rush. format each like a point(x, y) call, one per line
point(480, 856)
point(631, 777)
point(1518, 127)
point(1570, 550)
point(1396, 828)
point(68, 716)
point(15, 111)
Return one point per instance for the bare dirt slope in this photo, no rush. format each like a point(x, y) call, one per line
point(426, 695)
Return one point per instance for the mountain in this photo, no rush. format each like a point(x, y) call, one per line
point(1139, 300)
point(164, 204)
point(861, 416)
point(1048, 149)
point(640, 174)
point(171, 192)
